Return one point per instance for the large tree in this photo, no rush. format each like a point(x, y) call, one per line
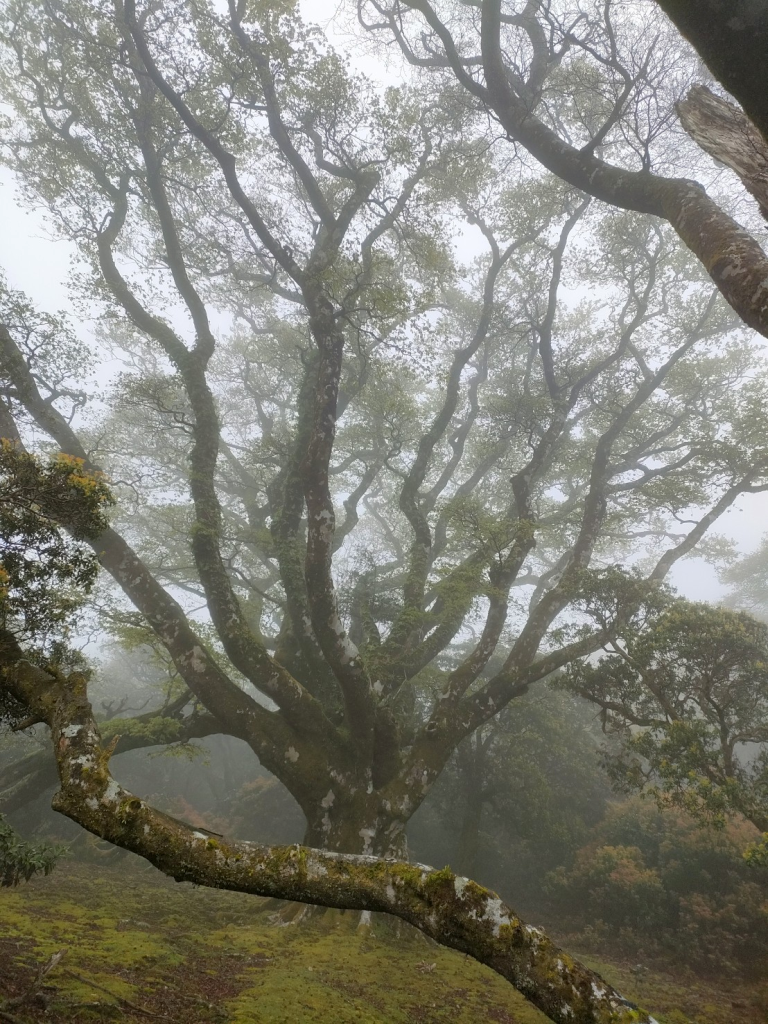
point(273, 244)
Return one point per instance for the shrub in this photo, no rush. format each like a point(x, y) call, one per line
point(19, 860)
point(657, 883)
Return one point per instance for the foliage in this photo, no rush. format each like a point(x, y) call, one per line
point(688, 696)
point(656, 884)
point(756, 853)
point(20, 860)
point(45, 574)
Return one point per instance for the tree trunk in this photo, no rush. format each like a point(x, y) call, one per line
point(348, 823)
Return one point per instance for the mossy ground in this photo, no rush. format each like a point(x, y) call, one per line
point(189, 955)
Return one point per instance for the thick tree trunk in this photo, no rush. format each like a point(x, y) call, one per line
point(356, 824)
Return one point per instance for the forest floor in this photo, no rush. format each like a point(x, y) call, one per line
point(140, 947)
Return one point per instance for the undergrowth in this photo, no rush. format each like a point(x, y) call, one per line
point(141, 946)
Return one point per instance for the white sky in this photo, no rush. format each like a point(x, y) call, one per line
point(39, 265)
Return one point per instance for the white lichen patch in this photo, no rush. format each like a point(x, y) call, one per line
point(535, 935)
point(70, 731)
point(496, 913)
point(197, 660)
point(199, 835)
point(315, 868)
point(328, 799)
point(351, 858)
point(292, 755)
point(367, 835)
point(84, 760)
point(111, 793)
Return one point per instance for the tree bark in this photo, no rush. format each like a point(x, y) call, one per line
point(723, 131)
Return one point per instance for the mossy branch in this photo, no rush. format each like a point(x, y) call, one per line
point(454, 911)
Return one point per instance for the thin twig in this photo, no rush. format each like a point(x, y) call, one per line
point(114, 995)
point(42, 971)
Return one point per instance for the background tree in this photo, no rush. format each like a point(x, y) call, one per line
point(518, 797)
point(689, 695)
point(748, 581)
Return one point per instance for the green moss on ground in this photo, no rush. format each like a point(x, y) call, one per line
point(195, 955)
point(689, 999)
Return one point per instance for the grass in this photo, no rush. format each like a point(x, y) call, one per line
point(141, 947)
